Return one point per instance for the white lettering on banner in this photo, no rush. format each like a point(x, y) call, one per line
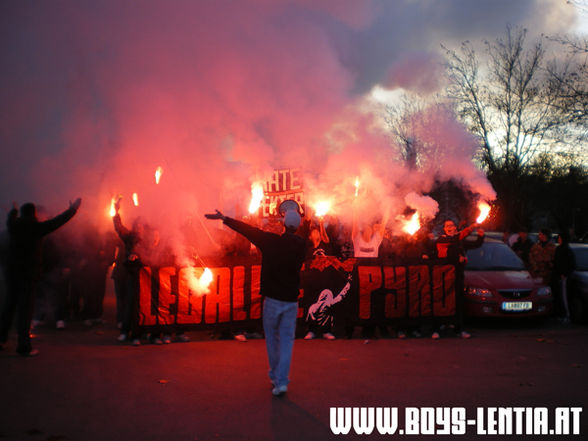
point(453, 421)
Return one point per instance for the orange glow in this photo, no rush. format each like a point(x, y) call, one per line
point(158, 174)
point(206, 278)
point(200, 285)
point(413, 225)
point(112, 211)
point(256, 197)
point(356, 186)
point(135, 199)
point(321, 208)
point(484, 212)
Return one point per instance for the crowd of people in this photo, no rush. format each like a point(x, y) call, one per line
point(551, 261)
point(56, 279)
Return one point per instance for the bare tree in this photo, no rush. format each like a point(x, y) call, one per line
point(402, 123)
point(568, 82)
point(503, 100)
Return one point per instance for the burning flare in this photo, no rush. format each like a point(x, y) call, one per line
point(200, 285)
point(256, 197)
point(158, 174)
point(112, 211)
point(321, 208)
point(413, 225)
point(484, 212)
point(136, 199)
point(356, 186)
point(206, 277)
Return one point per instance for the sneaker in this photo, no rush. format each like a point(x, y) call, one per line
point(167, 339)
point(182, 338)
point(279, 390)
point(416, 334)
point(309, 336)
point(328, 336)
point(60, 324)
point(465, 334)
point(435, 336)
point(240, 337)
point(136, 342)
point(156, 341)
point(122, 337)
point(401, 335)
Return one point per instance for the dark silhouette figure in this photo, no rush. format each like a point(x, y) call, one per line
point(127, 275)
point(23, 268)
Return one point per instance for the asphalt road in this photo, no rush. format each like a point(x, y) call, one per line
point(86, 386)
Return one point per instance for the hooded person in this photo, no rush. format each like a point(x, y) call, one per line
point(282, 256)
point(23, 268)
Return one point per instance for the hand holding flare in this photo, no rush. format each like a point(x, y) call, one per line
point(115, 205)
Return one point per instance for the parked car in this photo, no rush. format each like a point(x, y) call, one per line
point(497, 284)
point(578, 284)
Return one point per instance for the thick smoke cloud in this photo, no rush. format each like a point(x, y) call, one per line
point(96, 95)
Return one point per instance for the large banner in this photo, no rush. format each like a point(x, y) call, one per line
point(354, 291)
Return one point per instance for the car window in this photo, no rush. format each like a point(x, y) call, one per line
point(493, 256)
point(581, 258)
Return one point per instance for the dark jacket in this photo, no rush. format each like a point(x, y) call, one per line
point(522, 248)
point(453, 247)
point(131, 241)
point(26, 238)
point(564, 261)
point(281, 259)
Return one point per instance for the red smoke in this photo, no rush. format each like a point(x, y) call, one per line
point(218, 94)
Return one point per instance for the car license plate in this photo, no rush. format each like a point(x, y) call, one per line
point(517, 306)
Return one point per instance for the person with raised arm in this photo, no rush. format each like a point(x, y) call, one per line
point(282, 256)
point(23, 269)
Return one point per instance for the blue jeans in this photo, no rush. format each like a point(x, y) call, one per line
point(279, 325)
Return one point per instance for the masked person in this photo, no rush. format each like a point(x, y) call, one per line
point(281, 260)
point(23, 269)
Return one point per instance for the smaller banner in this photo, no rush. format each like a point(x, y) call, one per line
point(282, 185)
